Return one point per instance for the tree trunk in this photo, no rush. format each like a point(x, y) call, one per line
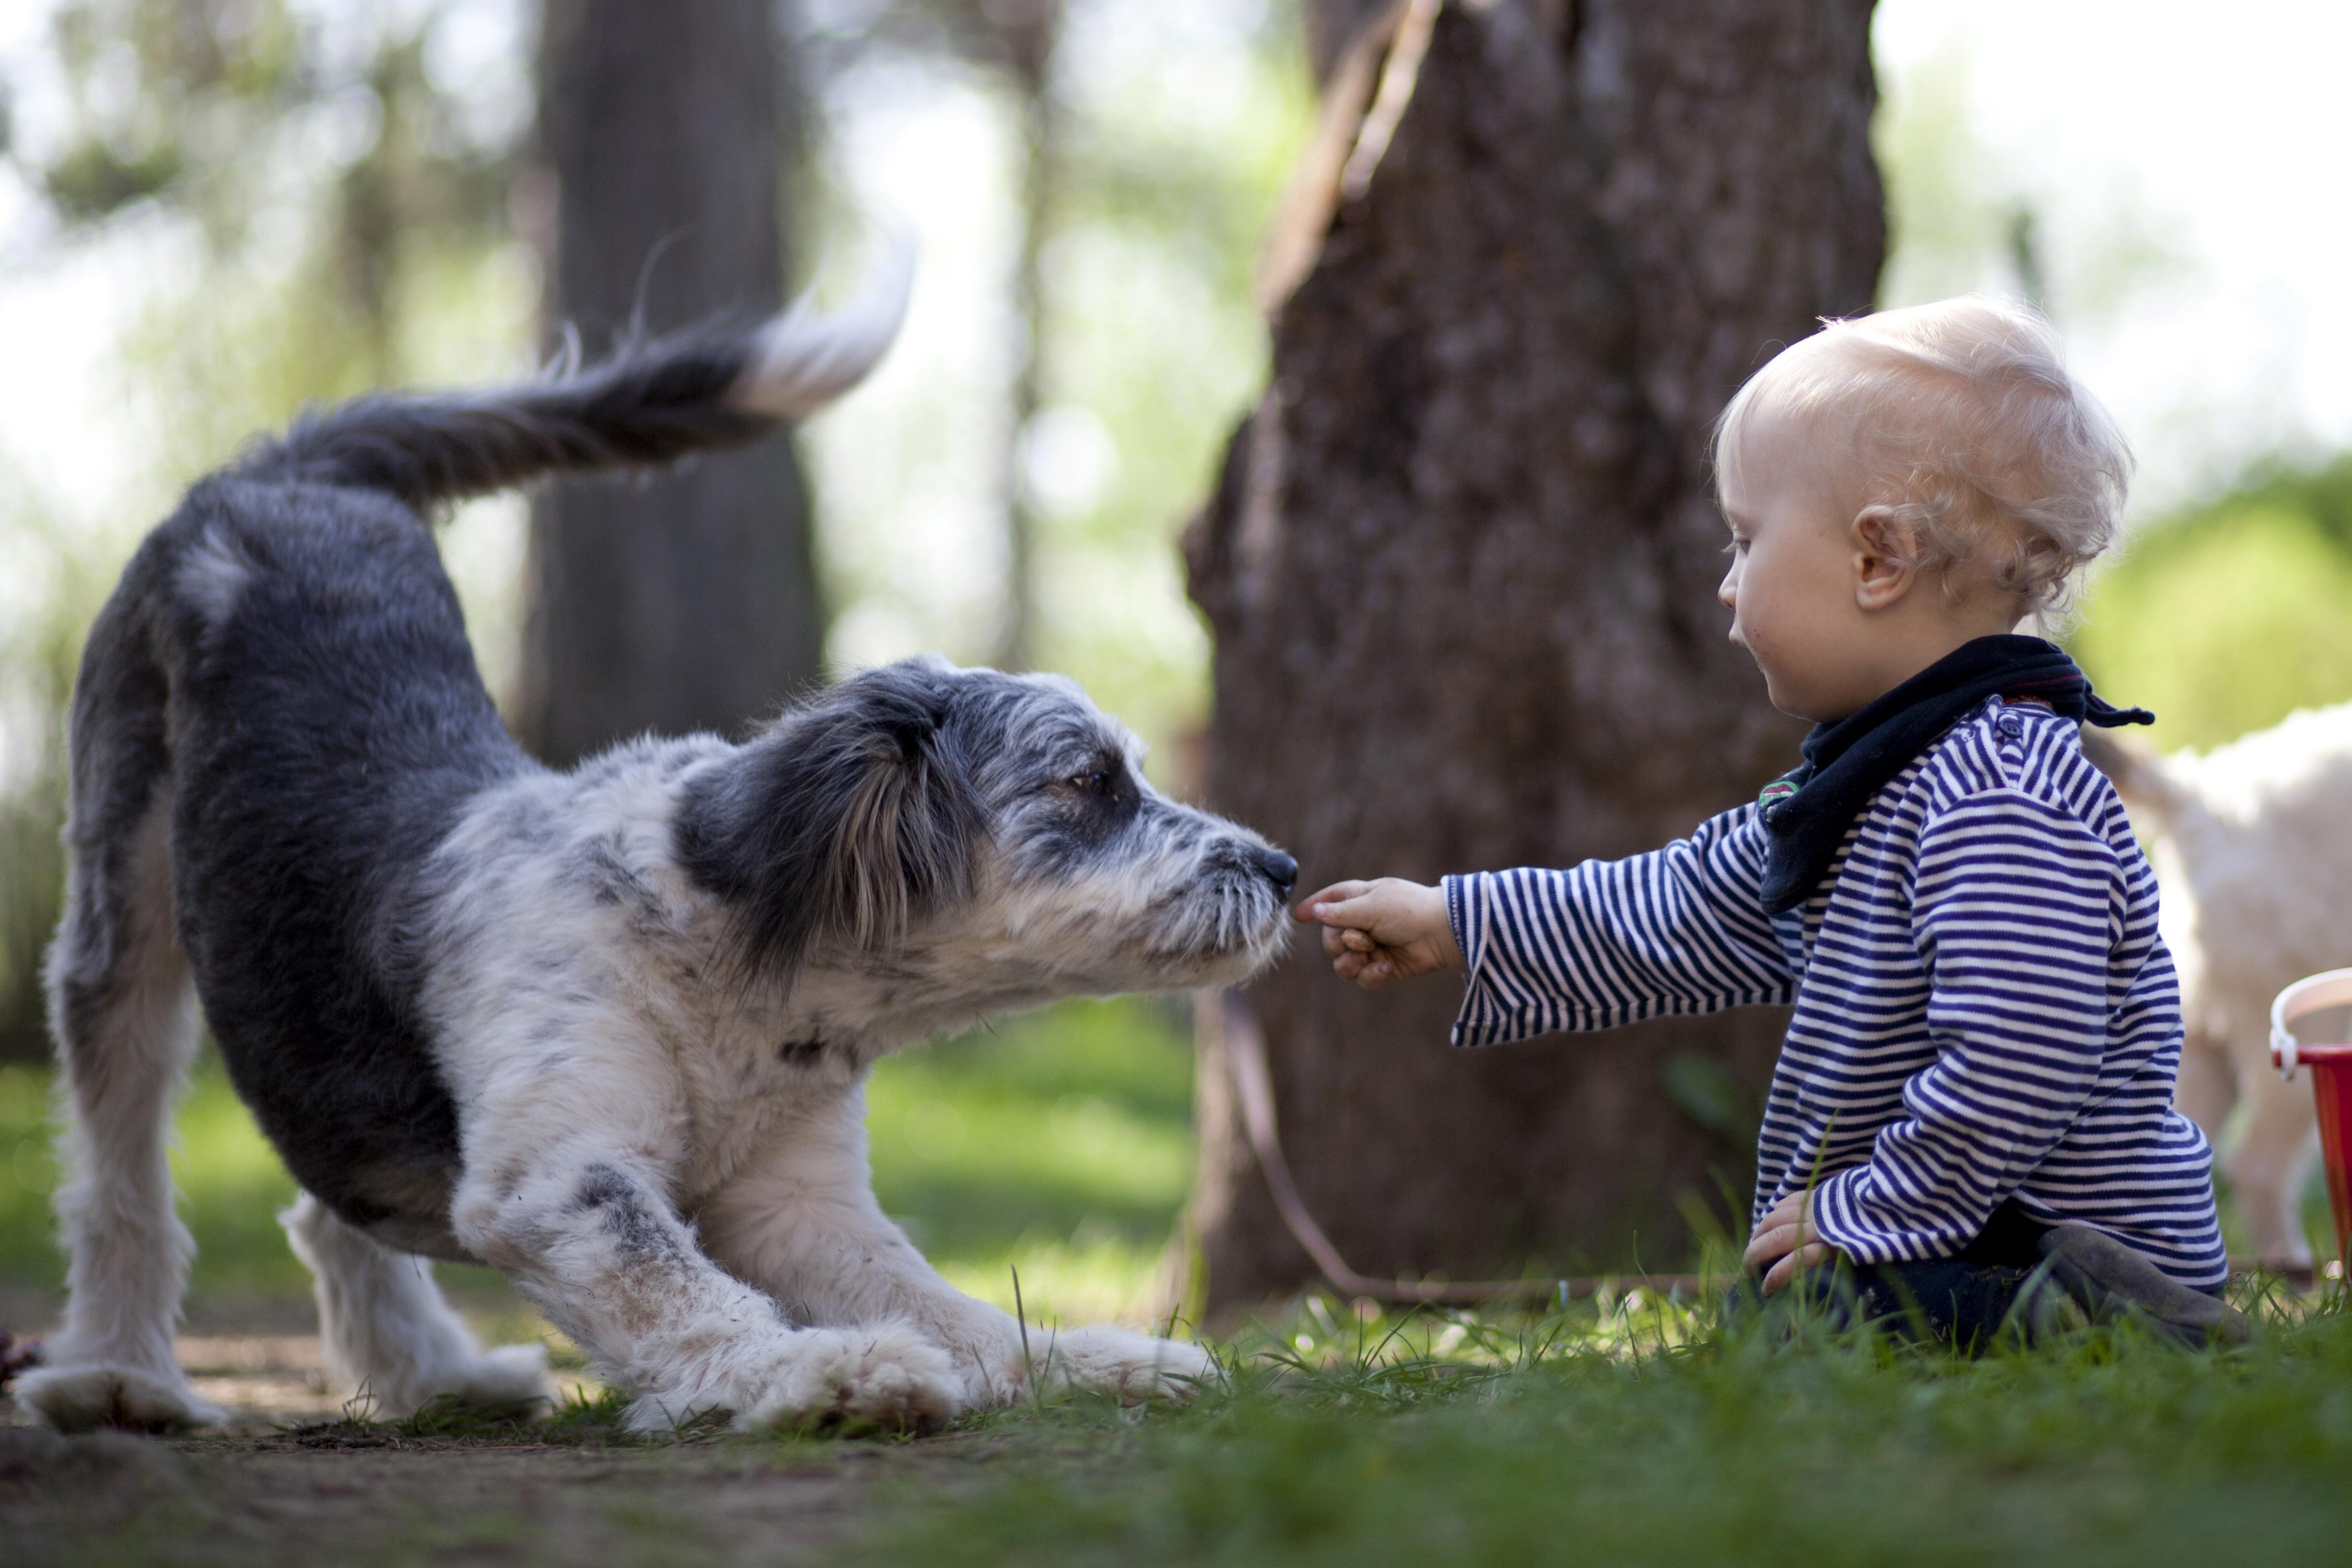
point(688, 600)
point(1026, 33)
point(1461, 569)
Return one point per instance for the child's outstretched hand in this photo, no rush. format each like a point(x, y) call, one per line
point(1383, 931)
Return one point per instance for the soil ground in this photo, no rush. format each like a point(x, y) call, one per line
point(309, 1496)
point(292, 1481)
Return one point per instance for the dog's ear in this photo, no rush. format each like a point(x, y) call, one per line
point(846, 821)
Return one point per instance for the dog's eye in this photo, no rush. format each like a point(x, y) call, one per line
point(1096, 783)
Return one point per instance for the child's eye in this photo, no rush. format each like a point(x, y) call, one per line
point(1735, 545)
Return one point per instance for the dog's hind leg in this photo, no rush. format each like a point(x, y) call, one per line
point(124, 1013)
point(388, 1333)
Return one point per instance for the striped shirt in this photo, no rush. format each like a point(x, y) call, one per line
point(1983, 1007)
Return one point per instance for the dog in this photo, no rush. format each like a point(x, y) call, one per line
point(606, 1030)
point(2253, 852)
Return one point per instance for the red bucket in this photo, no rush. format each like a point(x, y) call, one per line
point(2331, 1085)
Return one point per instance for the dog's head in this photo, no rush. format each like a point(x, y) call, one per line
point(989, 836)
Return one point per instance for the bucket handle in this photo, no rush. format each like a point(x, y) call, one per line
point(2332, 989)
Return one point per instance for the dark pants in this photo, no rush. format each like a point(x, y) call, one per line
point(1998, 1279)
point(1945, 1299)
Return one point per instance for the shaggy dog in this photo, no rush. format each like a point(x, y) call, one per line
point(2253, 852)
point(606, 1030)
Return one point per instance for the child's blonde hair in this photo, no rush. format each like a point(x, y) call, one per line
point(1964, 420)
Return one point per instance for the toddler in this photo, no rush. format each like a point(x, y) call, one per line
point(1973, 1104)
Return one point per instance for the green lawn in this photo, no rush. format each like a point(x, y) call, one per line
point(1059, 1143)
point(1625, 1433)
point(1657, 1437)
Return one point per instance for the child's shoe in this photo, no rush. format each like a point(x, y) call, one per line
point(2109, 1278)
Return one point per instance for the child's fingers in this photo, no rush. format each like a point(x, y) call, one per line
point(1806, 1257)
point(1369, 973)
point(1319, 906)
point(1770, 1243)
point(1788, 1210)
point(1776, 1238)
point(1356, 941)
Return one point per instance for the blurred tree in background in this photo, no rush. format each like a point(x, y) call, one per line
point(1106, 388)
point(686, 599)
point(210, 108)
point(1461, 567)
point(319, 208)
point(1018, 41)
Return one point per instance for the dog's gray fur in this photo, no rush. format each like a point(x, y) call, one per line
point(605, 1029)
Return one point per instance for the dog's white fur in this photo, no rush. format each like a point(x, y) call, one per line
point(2253, 848)
point(804, 361)
point(767, 1156)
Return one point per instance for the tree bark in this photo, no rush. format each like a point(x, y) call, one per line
point(1026, 33)
point(686, 600)
point(1461, 570)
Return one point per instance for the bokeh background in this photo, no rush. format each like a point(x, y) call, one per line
point(198, 234)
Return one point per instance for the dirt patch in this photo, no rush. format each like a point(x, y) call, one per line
point(291, 1481)
point(270, 1381)
point(358, 1496)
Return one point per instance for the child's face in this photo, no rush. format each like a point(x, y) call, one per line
point(1820, 593)
point(1790, 588)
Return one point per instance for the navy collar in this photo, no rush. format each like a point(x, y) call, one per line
point(1808, 810)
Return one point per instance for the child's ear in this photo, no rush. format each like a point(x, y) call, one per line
point(1882, 572)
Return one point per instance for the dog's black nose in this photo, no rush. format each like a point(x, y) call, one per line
point(1280, 869)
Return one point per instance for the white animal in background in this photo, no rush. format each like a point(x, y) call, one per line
point(2253, 851)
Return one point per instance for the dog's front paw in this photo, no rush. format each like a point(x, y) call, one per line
point(80, 1398)
point(1130, 1367)
point(886, 1378)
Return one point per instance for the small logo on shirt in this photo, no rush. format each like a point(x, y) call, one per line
point(1772, 793)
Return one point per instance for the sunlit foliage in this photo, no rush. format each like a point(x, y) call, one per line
point(2234, 615)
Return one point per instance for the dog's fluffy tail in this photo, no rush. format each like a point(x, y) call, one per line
point(2139, 776)
point(652, 403)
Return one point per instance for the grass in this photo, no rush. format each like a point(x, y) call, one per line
point(1059, 1144)
point(1653, 1435)
point(1626, 1432)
